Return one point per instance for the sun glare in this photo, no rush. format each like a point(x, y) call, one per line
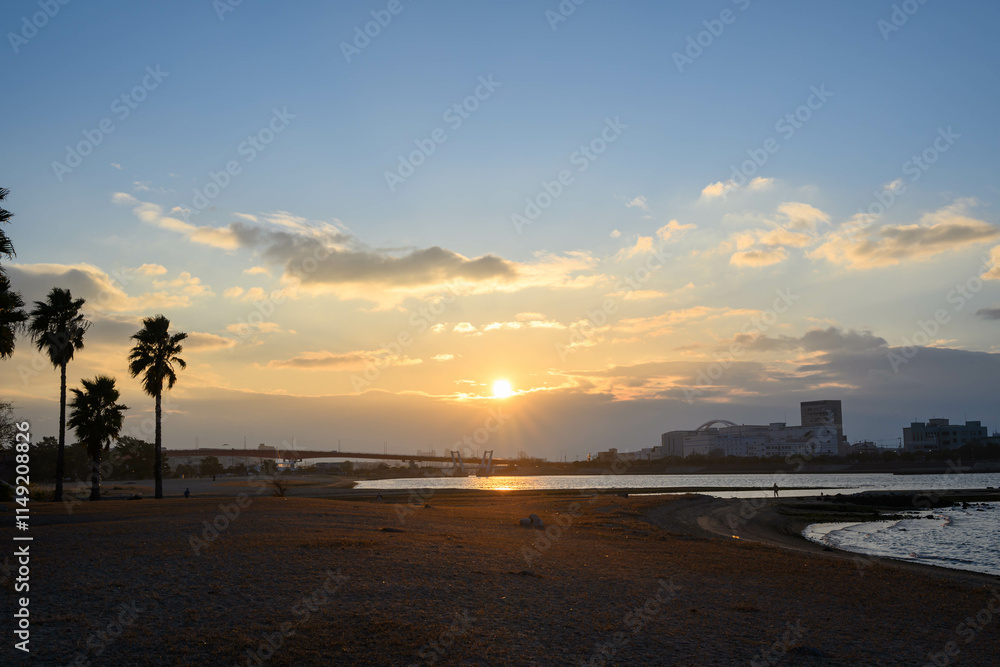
point(502, 389)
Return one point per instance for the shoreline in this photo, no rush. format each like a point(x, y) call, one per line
point(403, 573)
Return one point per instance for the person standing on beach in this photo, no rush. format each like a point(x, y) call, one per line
point(187, 492)
point(775, 489)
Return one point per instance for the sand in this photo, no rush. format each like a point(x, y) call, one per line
point(658, 581)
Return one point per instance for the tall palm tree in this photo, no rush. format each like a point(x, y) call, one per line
point(97, 419)
point(154, 356)
point(12, 317)
point(6, 246)
point(57, 327)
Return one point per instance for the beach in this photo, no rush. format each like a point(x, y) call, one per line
point(454, 579)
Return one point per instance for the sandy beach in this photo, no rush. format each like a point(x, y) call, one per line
point(613, 580)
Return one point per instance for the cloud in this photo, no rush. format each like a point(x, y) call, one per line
point(758, 258)
point(802, 216)
point(464, 327)
point(102, 292)
point(615, 233)
point(991, 268)
point(151, 270)
point(186, 284)
point(989, 313)
point(673, 229)
point(116, 166)
point(152, 214)
point(233, 292)
point(443, 357)
point(643, 244)
point(831, 339)
point(718, 189)
point(322, 257)
point(343, 361)
point(639, 202)
point(722, 189)
point(204, 342)
point(257, 271)
point(944, 230)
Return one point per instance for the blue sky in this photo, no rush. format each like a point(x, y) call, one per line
point(890, 93)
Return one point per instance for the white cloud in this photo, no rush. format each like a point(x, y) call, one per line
point(639, 202)
point(673, 229)
point(615, 233)
point(443, 357)
point(722, 189)
point(151, 270)
point(116, 166)
point(758, 258)
point(946, 229)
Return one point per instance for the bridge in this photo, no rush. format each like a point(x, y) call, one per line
point(454, 458)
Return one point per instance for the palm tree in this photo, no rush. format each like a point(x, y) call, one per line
point(154, 356)
point(97, 419)
point(6, 246)
point(12, 316)
point(57, 327)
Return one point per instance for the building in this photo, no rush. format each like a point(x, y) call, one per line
point(821, 433)
point(939, 434)
point(825, 413)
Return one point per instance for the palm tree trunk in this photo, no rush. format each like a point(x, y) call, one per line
point(95, 478)
point(61, 452)
point(158, 456)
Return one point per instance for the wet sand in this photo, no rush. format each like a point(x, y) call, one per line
point(614, 580)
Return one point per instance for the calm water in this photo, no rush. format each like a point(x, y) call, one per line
point(965, 539)
point(851, 483)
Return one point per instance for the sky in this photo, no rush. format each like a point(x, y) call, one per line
point(642, 216)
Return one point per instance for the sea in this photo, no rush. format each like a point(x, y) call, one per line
point(960, 538)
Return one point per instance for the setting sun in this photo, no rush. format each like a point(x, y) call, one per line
point(502, 389)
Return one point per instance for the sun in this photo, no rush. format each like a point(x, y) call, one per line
point(502, 389)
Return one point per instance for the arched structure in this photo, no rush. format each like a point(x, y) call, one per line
point(712, 422)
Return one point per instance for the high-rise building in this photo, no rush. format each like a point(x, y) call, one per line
point(826, 413)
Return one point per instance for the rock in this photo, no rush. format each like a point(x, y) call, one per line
point(536, 521)
point(525, 523)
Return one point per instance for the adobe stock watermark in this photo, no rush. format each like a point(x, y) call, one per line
point(967, 631)
point(582, 158)
point(466, 448)
point(899, 17)
point(562, 12)
point(122, 107)
point(436, 649)
point(37, 21)
point(714, 28)
point(98, 642)
point(363, 36)
point(779, 649)
point(786, 126)
point(302, 611)
point(247, 151)
point(924, 333)
point(634, 622)
point(419, 322)
point(223, 7)
point(581, 333)
point(912, 170)
point(454, 116)
point(756, 325)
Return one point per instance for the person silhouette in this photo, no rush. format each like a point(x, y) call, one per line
point(775, 489)
point(187, 492)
